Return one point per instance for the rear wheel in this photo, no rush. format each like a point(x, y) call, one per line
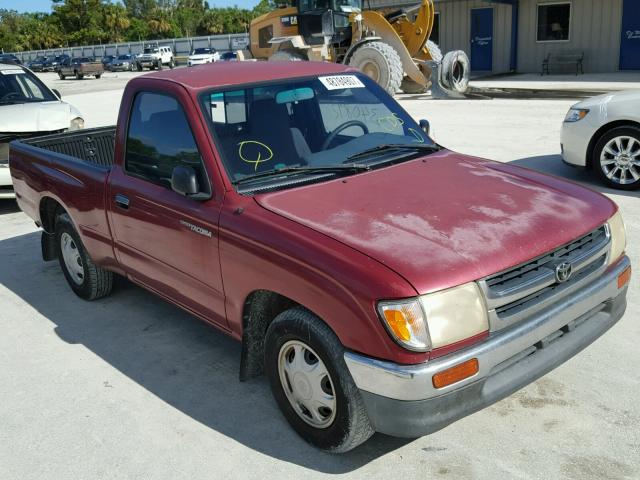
point(171, 63)
point(87, 280)
point(380, 62)
point(616, 158)
point(304, 361)
point(159, 64)
point(60, 74)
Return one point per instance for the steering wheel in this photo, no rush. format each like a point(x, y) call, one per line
point(344, 126)
point(11, 95)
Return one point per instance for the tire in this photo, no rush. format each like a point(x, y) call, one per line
point(79, 76)
point(455, 71)
point(287, 56)
point(381, 62)
point(93, 282)
point(98, 76)
point(618, 172)
point(434, 51)
point(348, 424)
point(171, 64)
point(409, 86)
point(138, 67)
point(62, 77)
point(159, 65)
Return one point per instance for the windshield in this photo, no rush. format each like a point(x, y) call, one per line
point(151, 50)
point(20, 86)
point(201, 51)
point(124, 57)
point(311, 123)
point(339, 5)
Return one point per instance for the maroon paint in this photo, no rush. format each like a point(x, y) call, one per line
point(335, 247)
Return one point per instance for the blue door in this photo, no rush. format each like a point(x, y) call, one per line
point(630, 41)
point(482, 39)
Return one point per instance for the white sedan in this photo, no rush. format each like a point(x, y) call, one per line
point(28, 108)
point(603, 134)
point(200, 56)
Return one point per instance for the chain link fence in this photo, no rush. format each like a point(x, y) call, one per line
point(182, 47)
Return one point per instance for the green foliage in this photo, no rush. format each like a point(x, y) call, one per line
point(88, 22)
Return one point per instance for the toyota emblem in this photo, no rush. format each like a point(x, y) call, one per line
point(563, 272)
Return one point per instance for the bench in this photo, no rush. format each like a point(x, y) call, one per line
point(575, 58)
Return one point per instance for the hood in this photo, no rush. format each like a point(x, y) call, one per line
point(36, 117)
point(446, 219)
point(621, 96)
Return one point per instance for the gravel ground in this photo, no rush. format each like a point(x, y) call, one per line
point(131, 387)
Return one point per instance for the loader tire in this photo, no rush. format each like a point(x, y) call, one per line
point(287, 56)
point(455, 71)
point(434, 51)
point(380, 62)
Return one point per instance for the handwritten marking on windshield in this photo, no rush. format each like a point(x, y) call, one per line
point(390, 122)
point(257, 151)
point(416, 134)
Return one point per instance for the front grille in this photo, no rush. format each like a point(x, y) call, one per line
point(515, 293)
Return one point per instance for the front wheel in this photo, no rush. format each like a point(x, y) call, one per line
point(98, 76)
point(171, 64)
point(61, 76)
point(139, 67)
point(304, 361)
point(380, 62)
point(87, 280)
point(616, 158)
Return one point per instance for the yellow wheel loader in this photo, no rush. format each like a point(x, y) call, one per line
point(390, 46)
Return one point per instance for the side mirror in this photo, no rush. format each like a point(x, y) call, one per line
point(425, 126)
point(184, 181)
point(57, 93)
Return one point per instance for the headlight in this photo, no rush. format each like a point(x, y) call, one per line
point(77, 123)
point(576, 114)
point(618, 237)
point(436, 319)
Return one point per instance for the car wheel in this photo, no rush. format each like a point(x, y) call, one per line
point(616, 158)
point(171, 63)
point(87, 280)
point(62, 77)
point(139, 67)
point(159, 65)
point(304, 361)
point(98, 76)
point(79, 76)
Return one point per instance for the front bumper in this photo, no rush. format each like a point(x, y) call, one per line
point(402, 401)
point(574, 141)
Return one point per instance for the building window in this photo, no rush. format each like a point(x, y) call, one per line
point(553, 22)
point(435, 31)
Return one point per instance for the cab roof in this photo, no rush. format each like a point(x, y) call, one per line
point(223, 74)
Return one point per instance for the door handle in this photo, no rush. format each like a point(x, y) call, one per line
point(121, 201)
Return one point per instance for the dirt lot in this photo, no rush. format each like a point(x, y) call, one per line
point(131, 387)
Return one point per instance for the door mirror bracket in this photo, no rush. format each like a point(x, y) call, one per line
point(185, 182)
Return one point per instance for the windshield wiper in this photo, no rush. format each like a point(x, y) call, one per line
point(354, 167)
point(395, 146)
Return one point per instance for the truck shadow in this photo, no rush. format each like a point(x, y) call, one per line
point(184, 362)
point(553, 165)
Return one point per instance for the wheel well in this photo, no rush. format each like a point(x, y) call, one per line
point(260, 308)
point(49, 210)
point(601, 131)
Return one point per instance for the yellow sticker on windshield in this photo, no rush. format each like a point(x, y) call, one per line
point(257, 154)
point(390, 122)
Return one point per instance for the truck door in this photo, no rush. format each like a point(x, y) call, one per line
point(164, 240)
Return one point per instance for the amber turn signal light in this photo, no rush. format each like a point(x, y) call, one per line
point(624, 277)
point(456, 373)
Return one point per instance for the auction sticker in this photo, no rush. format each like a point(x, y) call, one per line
point(338, 82)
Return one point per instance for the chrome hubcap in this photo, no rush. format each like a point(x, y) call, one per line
point(307, 384)
point(620, 160)
point(72, 258)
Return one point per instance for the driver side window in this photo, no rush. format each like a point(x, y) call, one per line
point(160, 139)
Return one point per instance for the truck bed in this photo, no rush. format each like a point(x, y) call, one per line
point(93, 145)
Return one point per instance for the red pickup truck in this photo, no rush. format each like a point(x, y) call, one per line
point(382, 282)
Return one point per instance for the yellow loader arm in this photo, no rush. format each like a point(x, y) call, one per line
point(415, 33)
point(380, 26)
